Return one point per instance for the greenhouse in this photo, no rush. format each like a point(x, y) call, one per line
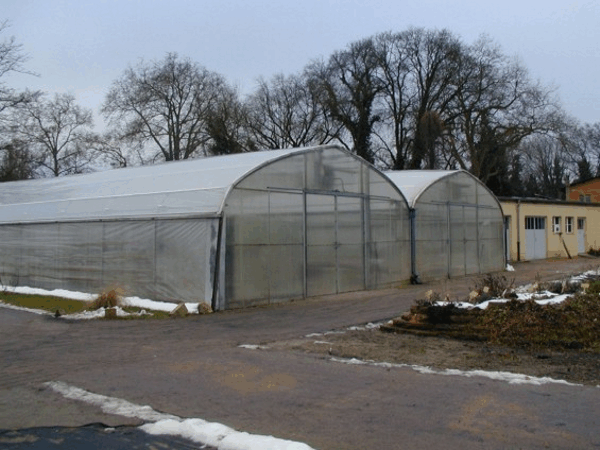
point(230, 231)
point(457, 223)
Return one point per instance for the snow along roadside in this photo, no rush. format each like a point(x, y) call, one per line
point(511, 378)
point(197, 430)
point(86, 297)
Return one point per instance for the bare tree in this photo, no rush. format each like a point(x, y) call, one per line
point(12, 59)
point(547, 166)
point(15, 158)
point(347, 87)
point(284, 112)
point(420, 73)
point(435, 60)
point(164, 103)
point(58, 133)
point(16, 162)
point(585, 145)
point(498, 107)
point(394, 131)
point(226, 125)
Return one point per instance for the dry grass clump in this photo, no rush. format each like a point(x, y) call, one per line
point(108, 299)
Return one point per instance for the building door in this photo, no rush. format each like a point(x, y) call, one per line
point(335, 260)
point(535, 237)
point(581, 235)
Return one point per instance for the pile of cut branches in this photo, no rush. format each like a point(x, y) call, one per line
point(572, 324)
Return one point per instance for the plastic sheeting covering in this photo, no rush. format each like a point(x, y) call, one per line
point(319, 223)
point(459, 223)
point(178, 188)
point(169, 260)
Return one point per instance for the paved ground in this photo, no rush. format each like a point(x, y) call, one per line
point(194, 368)
point(89, 437)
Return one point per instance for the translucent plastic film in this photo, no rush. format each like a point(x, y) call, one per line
point(166, 260)
point(319, 223)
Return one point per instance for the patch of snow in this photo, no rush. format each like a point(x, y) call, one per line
point(323, 342)
point(586, 275)
point(510, 268)
point(368, 326)
point(554, 300)
point(20, 308)
point(101, 312)
point(197, 430)
point(86, 297)
point(71, 295)
point(511, 378)
point(108, 405)
point(541, 298)
point(253, 346)
point(220, 436)
point(313, 335)
point(155, 305)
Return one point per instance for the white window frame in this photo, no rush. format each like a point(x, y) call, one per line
point(569, 225)
point(556, 224)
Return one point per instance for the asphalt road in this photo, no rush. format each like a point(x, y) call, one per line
point(194, 367)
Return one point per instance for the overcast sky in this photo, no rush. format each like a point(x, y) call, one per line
point(82, 46)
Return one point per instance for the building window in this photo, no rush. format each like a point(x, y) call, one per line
point(535, 223)
point(581, 223)
point(556, 224)
point(568, 224)
point(585, 198)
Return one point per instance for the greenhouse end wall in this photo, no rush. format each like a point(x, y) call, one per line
point(317, 223)
point(168, 260)
point(459, 229)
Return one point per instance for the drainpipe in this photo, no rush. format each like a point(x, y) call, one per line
point(414, 278)
point(518, 231)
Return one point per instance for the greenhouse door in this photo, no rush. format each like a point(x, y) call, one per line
point(334, 244)
point(457, 245)
point(535, 237)
point(463, 245)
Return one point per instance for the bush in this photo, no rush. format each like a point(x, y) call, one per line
point(594, 251)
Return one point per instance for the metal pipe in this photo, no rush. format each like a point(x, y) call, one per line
point(518, 230)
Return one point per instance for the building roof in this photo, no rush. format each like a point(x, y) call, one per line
point(546, 201)
point(161, 190)
point(580, 182)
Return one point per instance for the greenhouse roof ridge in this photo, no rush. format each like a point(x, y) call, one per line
point(161, 189)
point(412, 183)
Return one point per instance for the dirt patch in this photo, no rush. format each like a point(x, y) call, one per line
point(560, 341)
point(447, 353)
